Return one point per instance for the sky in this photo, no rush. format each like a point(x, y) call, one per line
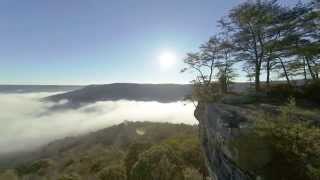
point(103, 41)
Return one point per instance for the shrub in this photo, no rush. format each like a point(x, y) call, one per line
point(37, 167)
point(311, 91)
point(113, 173)
point(158, 163)
point(132, 157)
point(294, 146)
point(281, 91)
point(109, 157)
point(203, 93)
point(8, 175)
point(188, 149)
point(192, 174)
point(70, 177)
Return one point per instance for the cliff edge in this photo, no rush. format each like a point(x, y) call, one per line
point(219, 124)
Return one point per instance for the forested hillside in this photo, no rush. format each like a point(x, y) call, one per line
point(131, 150)
point(125, 91)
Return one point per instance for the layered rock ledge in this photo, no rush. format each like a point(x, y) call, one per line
point(218, 124)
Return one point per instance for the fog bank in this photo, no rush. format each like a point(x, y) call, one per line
point(28, 123)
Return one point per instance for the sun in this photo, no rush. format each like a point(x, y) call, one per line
point(167, 60)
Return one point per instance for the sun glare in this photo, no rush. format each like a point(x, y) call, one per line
point(167, 60)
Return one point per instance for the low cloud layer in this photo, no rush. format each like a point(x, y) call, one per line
point(28, 123)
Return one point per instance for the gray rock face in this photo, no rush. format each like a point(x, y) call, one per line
point(219, 123)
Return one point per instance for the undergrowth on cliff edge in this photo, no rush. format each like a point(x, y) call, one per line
point(294, 144)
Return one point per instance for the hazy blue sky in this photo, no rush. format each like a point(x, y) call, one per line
point(102, 41)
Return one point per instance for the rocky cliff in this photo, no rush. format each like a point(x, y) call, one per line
point(220, 124)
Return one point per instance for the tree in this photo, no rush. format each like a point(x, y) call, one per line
point(158, 163)
point(250, 23)
point(225, 76)
point(190, 152)
point(225, 64)
point(113, 173)
point(203, 62)
point(249, 73)
point(262, 36)
point(298, 44)
point(133, 155)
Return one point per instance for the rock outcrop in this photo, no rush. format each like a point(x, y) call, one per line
point(218, 125)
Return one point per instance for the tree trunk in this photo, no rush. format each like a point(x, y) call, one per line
point(285, 71)
point(204, 176)
point(257, 78)
point(310, 68)
point(316, 70)
point(268, 73)
point(211, 73)
point(226, 83)
point(304, 69)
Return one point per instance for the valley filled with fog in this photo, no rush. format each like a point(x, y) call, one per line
point(28, 122)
